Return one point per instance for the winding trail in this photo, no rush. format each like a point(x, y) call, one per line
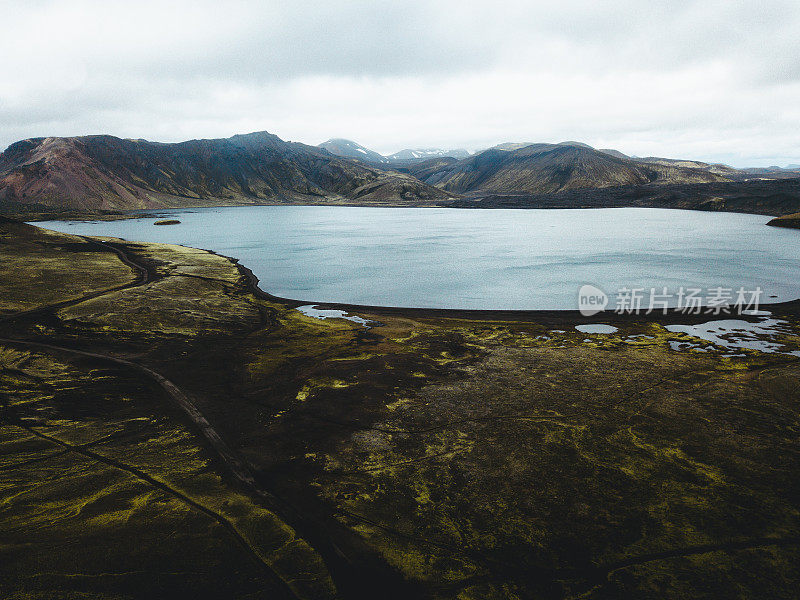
point(181, 399)
point(350, 575)
point(236, 467)
point(240, 471)
point(144, 275)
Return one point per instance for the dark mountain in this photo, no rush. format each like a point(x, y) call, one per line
point(422, 169)
point(350, 149)
point(550, 168)
point(718, 169)
point(105, 172)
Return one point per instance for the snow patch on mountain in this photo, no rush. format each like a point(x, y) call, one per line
point(425, 153)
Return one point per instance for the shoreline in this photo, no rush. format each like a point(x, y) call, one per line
point(614, 197)
point(39, 217)
point(543, 316)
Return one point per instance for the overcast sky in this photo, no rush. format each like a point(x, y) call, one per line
point(710, 80)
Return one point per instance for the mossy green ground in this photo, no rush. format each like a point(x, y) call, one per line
point(33, 273)
point(447, 458)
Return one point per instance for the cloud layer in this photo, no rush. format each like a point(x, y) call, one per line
point(709, 80)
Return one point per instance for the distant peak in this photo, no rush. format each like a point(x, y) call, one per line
point(573, 143)
point(255, 135)
point(350, 149)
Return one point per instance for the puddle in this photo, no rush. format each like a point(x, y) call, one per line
point(596, 328)
point(311, 310)
point(736, 334)
point(686, 346)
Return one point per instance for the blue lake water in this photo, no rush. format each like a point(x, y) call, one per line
point(490, 259)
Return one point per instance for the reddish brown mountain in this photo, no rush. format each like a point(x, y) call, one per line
point(105, 172)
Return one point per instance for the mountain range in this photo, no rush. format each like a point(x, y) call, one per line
point(351, 149)
point(551, 168)
point(106, 172)
point(103, 172)
point(426, 153)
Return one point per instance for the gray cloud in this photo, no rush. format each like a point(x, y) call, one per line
point(711, 80)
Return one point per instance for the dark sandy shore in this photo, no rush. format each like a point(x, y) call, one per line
point(169, 430)
point(551, 318)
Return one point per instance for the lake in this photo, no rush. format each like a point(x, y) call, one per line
point(479, 259)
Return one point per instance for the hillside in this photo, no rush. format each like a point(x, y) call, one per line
point(107, 173)
point(422, 169)
point(551, 168)
point(717, 169)
point(758, 196)
point(789, 172)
